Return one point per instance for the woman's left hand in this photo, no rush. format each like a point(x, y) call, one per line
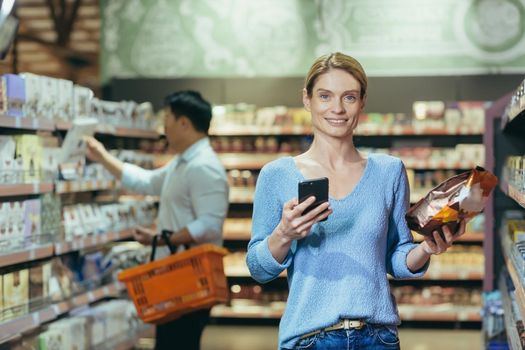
point(437, 245)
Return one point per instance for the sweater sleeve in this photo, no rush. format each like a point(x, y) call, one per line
point(267, 212)
point(400, 241)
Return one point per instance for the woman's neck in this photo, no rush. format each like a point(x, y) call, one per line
point(333, 152)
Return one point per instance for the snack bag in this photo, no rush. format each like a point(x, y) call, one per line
point(460, 197)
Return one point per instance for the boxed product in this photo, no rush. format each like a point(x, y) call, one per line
point(51, 215)
point(33, 107)
point(52, 339)
point(73, 333)
point(29, 150)
point(12, 95)
point(16, 293)
point(65, 98)
point(74, 148)
point(7, 159)
point(49, 97)
point(32, 218)
point(12, 214)
point(460, 197)
point(37, 281)
point(82, 97)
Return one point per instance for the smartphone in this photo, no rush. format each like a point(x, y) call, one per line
point(314, 187)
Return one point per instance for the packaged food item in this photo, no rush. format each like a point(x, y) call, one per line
point(460, 197)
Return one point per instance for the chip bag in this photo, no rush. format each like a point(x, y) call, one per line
point(460, 197)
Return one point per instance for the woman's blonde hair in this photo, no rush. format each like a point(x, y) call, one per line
point(336, 60)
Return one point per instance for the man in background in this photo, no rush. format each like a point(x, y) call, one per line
point(193, 191)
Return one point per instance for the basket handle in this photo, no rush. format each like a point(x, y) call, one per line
point(165, 235)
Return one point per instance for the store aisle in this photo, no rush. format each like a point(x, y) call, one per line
point(265, 338)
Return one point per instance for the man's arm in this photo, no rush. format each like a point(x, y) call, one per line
point(96, 152)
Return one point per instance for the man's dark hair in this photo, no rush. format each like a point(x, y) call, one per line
point(190, 104)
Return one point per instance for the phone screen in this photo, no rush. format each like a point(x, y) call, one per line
point(314, 187)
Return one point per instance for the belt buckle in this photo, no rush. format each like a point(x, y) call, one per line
point(361, 324)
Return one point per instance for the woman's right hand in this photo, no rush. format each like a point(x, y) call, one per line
point(294, 225)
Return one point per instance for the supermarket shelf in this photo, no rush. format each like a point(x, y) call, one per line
point(248, 161)
point(261, 312)
point(29, 254)
point(116, 131)
point(510, 320)
point(257, 161)
point(362, 130)
point(467, 237)
point(8, 190)
point(251, 130)
point(129, 340)
point(26, 123)
point(398, 130)
point(91, 241)
point(242, 272)
point(241, 194)
point(83, 186)
point(515, 194)
point(242, 232)
point(10, 329)
point(518, 286)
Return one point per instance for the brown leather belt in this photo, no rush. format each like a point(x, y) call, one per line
point(343, 324)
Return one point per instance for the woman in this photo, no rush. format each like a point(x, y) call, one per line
point(339, 295)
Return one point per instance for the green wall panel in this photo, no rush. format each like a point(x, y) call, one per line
point(280, 38)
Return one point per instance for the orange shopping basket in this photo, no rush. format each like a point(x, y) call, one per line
point(165, 289)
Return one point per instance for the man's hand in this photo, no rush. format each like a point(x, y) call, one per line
point(144, 235)
point(96, 152)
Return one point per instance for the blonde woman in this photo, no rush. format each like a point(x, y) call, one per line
point(339, 295)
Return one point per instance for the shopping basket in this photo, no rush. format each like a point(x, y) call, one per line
point(165, 289)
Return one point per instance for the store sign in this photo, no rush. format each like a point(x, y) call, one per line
point(246, 38)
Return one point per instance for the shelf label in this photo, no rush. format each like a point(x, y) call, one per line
point(91, 297)
point(36, 187)
point(36, 318)
point(18, 123)
point(35, 123)
point(32, 254)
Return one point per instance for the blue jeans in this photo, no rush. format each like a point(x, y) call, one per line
point(370, 337)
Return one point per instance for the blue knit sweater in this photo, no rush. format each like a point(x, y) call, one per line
point(340, 269)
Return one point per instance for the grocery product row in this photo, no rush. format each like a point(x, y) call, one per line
point(38, 97)
point(463, 117)
point(23, 223)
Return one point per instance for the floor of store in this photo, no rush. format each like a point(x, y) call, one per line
point(265, 338)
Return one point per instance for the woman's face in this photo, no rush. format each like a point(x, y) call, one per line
point(335, 103)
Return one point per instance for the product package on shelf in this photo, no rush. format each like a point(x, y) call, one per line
point(12, 95)
point(7, 160)
point(16, 293)
point(33, 107)
point(74, 148)
point(64, 103)
point(82, 99)
point(20, 223)
point(29, 150)
point(39, 276)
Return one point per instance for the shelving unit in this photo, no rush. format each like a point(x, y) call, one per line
point(26, 123)
point(17, 326)
point(504, 138)
point(241, 199)
point(14, 329)
point(11, 190)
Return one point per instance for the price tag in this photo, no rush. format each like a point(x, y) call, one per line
point(32, 254)
point(36, 318)
point(18, 123)
point(91, 297)
point(35, 124)
point(36, 187)
point(397, 130)
point(56, 309)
